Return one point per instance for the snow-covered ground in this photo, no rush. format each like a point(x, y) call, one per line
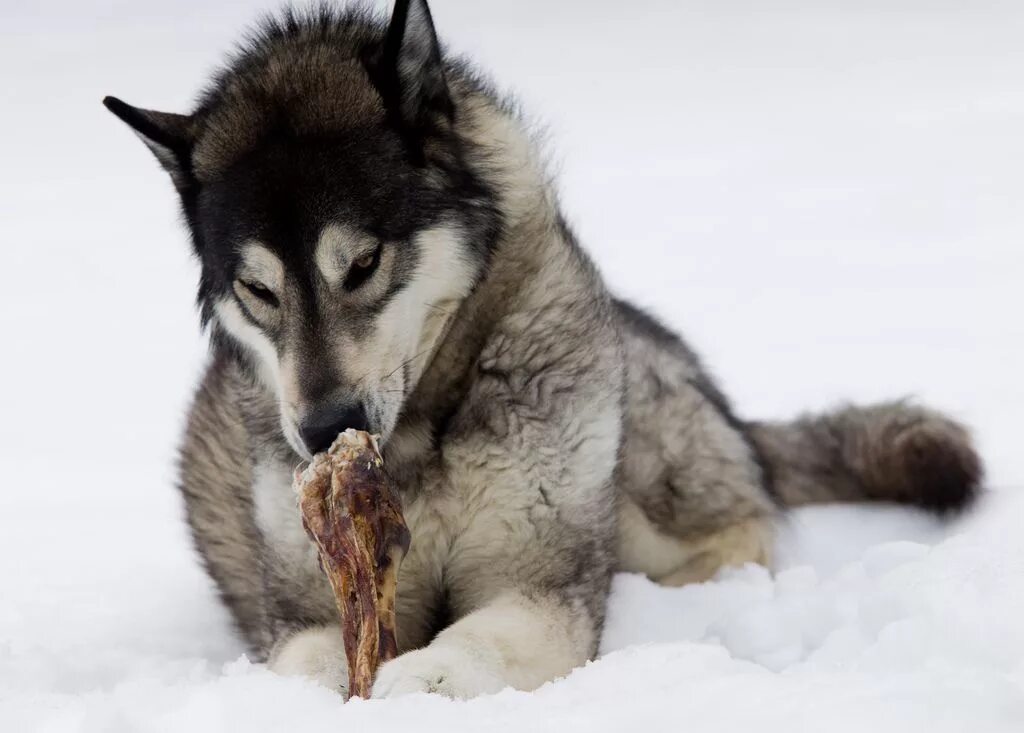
point(826, 197)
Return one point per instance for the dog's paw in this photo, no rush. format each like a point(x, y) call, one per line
point(317, 654)
point(446, 670)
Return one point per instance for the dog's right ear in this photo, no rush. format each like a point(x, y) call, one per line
point(409, 70)
point(168, 135)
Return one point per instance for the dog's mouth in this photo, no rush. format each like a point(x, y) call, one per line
point(305, 447)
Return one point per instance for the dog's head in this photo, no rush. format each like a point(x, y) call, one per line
point(334, 210)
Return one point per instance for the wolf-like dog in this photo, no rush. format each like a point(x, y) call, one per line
point(382, 249)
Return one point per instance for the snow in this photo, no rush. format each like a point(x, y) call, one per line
point(825, 199)
point(917, 633)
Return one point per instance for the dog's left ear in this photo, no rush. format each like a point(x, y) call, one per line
point(409, 71)
point(168, 135)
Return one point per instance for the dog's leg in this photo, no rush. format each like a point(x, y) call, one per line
point(216, 482)
point(316, 653)
point(513, 641)
point(671, 559)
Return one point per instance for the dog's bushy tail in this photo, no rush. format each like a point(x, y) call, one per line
point(894, 451)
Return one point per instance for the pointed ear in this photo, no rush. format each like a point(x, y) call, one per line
point(168, 135)
point(409, 69)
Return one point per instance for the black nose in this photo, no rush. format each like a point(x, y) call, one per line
point(320, 427)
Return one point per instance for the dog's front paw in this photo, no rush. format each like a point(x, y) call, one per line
point(447, 670)
point(317, 654)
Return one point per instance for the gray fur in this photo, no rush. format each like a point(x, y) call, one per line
point(894, 451)
point(543, 433)
point(687, 461)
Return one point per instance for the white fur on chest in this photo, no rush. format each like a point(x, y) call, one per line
point(278, 517)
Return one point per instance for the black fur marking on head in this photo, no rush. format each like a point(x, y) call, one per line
point(307, 105)
point(327, 117)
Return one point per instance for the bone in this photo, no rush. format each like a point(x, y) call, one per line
point(352, 511)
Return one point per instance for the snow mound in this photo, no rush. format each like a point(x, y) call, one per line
point(897, 634)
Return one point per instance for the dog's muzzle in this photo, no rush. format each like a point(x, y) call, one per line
point(321, 426)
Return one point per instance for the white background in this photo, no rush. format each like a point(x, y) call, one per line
point(825, 197)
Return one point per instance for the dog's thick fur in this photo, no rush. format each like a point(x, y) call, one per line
point(380, 244)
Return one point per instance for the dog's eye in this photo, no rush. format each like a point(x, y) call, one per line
point(362, 269)
point(260, 291)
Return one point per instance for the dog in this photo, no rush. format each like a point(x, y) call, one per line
point(381, 248)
